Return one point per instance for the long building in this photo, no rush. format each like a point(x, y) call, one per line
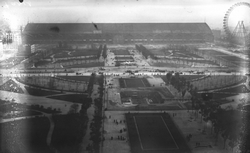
point(116, 33)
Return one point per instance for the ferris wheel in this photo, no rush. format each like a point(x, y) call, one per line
point(236, 23)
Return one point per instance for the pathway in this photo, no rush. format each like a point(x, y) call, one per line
point(86, 139)
point(21, 86)
point(51, 129)
point(90, 112)
point(185, 121)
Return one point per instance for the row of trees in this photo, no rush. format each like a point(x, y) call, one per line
point(99, 51)
point(104, 52)
point(225, 122)
point(245, 139)
point(145, 52)
point(70, 129)
point(181, 84)
point(91, 83)
point(96, 125)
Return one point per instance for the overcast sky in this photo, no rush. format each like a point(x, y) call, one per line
point(81, 11)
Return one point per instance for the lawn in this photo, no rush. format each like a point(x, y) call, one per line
point(173, 53)
point(11, 86)
point(76, 53)
point(121, 52)
point(192, 77)
point(217, 96)
point(225, 56)
point(85, 65)
point(165, 92)
point(39, 92)
point(187, 77)
point(125, 58)
point(74, 98)
point(27, 135)
point(76, 78)
point(154, 133)
point(133, 82)
point(140, 96)
point(168, 65)
point(237, 89)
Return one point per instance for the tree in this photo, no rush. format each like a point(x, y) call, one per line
point(230, 124)
point(91, 83)
point(225, 122)
point(178, 81)
point(188, 85)
point(169, 77)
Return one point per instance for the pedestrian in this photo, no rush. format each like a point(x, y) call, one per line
point(111, 138)
point(120, 131)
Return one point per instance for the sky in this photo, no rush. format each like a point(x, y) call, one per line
point(112, 11)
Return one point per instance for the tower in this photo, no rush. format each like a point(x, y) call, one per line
point(240, 34)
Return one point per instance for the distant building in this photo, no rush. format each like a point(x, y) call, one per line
point(10, 40)
point(217, 34)
point(116, 33)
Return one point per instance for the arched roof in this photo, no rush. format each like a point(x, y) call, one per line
point(83, 28)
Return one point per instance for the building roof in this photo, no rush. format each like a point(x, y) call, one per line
point(84, 28)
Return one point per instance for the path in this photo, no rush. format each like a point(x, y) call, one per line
point(51, 129)
point(90, 112)
point(21, 86)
